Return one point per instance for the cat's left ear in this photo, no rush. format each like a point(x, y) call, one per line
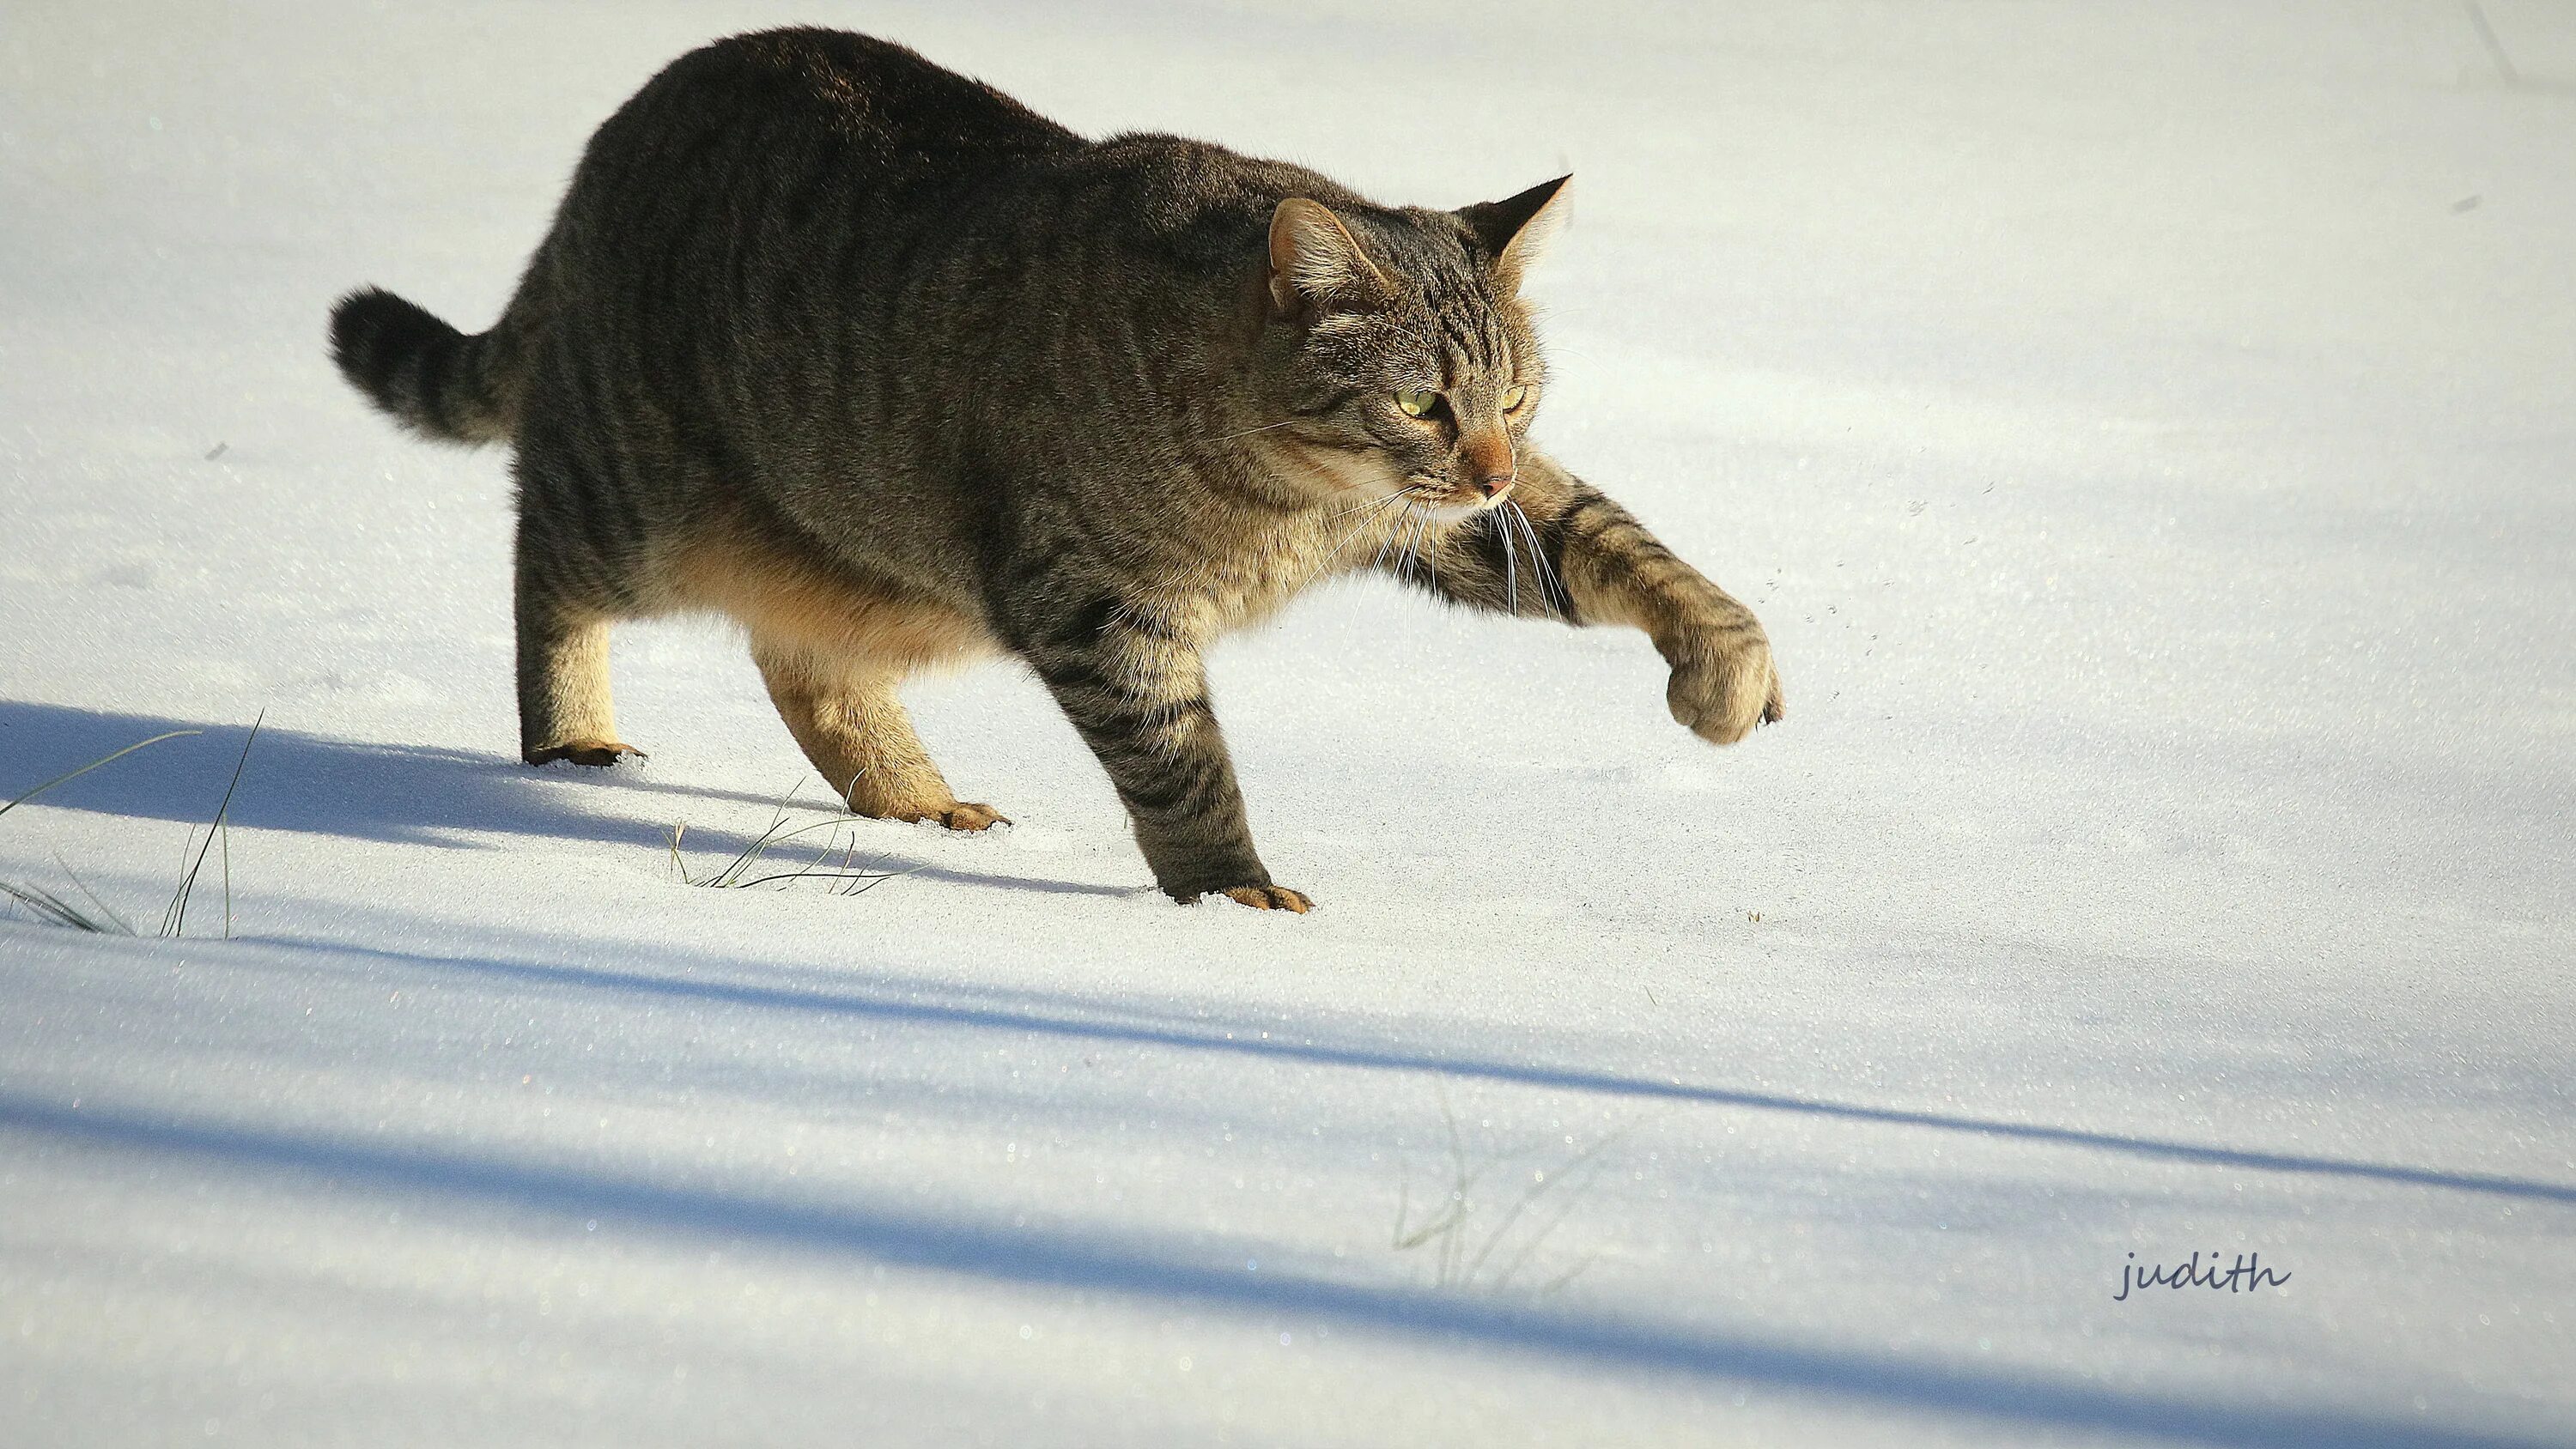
point(1513, 232)
point(1316, 264)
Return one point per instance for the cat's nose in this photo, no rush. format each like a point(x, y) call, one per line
point(1488, 460)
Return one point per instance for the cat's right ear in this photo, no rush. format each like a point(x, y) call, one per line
point(1316, 265)
point(1513, 232)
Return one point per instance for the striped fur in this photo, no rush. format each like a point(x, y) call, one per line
point(867, 356)
point(425, 374)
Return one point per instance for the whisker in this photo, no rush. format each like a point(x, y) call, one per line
point(1248, 432)
point(1552, 588)
point(1388, 542)
point(1347, 487)
point(1511, 568)
point(1413, 544)
point(1364, 525)
point(1520, 524)
point(1547, 571)
point(1385, 498)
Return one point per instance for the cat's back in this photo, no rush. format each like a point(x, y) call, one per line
point(767, 129)
point(879, 110)
point(740, 236)
point(782, 148)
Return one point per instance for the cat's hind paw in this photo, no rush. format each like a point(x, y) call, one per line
point(1269, 898)
point(600, 753)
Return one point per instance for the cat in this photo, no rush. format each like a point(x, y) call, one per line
point(897, 373)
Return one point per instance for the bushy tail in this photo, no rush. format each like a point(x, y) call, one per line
point(430, 377)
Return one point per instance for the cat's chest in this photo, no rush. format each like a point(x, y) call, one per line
point(1243, 587)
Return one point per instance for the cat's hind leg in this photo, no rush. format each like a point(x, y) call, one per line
point(844, 714)
point(564, 711)
point(564, 595)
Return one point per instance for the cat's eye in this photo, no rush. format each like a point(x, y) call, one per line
point(1417, 402)
point(1513, 397)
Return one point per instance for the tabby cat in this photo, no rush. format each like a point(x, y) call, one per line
point(895, 372)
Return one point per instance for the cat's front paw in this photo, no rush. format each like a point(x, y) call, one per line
point(1724, 684)
point(967, 815)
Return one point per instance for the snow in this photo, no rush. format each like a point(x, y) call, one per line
point(2146, 430)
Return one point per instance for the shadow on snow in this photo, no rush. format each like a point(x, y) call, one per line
point(418, 794)
point(1106, 1027)
point(1072, 1260)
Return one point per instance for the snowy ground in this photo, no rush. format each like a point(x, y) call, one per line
point(2148, 430)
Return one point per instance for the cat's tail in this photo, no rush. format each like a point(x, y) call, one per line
point(430, 377)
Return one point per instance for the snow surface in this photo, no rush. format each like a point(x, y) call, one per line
point(2147, 429)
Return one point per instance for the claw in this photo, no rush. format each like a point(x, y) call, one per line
point(969, 817)
point(1270, 898)
point(597, 753)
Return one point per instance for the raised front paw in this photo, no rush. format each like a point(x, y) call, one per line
point(1269, 898)
point(1724, 683)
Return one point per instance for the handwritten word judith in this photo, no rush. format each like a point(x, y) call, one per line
point(2247, 1274)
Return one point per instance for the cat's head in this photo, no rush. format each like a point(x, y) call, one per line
point(1410, 350)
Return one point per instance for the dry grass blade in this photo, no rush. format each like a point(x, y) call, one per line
point(122, 926)
point(174, 920)
point(848, 878)
point(92, 765)
point(1460, 1256)
point(871, 878)
point(1583, 1163)
point(54, 910)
